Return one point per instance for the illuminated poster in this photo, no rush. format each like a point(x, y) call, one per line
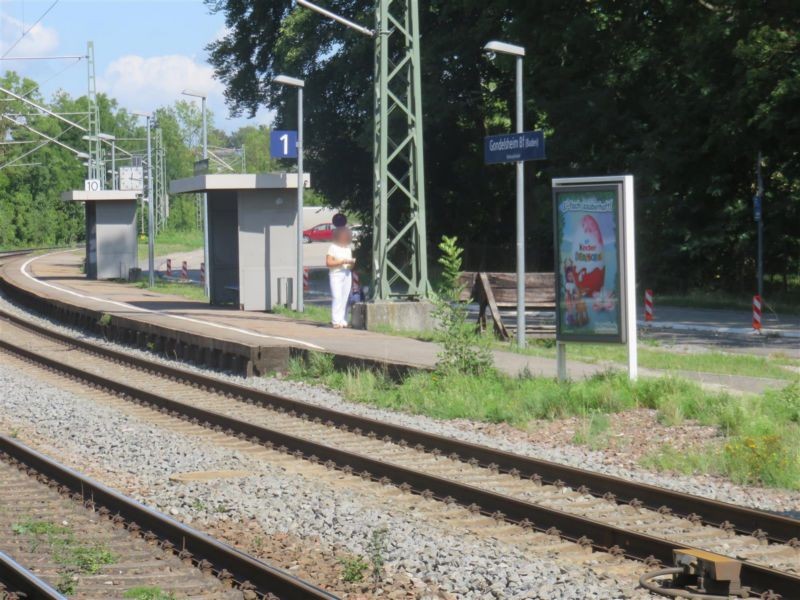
point(589, 263)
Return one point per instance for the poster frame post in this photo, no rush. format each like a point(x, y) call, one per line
point(627, 268)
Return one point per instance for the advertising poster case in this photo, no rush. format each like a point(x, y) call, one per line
point(590, 263)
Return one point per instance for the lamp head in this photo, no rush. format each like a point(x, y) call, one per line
point(195, 93)
point(291, 81)
point(496, 47)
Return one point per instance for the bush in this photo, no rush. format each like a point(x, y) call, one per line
point(462, 351)
point(765, 455)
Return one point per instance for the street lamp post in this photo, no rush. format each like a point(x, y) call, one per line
point(299, 84)
point(150, 210)
point(203, 98)
point(519, 53)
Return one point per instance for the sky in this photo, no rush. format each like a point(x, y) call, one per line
point(146, 51)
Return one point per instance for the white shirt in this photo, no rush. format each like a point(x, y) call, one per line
point(340, 253)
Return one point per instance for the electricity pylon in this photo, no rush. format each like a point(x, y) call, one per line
point(160, 182)
point(400, 236)
point(399, 247)
point(95, 170)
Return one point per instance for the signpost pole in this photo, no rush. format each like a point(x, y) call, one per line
point(209, 269)
point(299, 276)
point(526, 146)
point(520, 218)
point(284, 151)
point(630, 277)
point(760, 226)
point(150, 213)
point(561, 361)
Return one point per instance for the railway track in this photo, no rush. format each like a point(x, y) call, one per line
point(17, 582)
point(608, 514)
point(78, 537)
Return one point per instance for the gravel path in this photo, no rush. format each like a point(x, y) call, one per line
point(502, 437)
point(87, 433)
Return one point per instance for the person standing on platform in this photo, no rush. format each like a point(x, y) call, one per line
point(340, 261)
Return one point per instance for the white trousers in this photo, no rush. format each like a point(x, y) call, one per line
point(341, 283)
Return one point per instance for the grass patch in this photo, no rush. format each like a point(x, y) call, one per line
point(84, 559)
point(353, 568)
point(653, 357)
point(760, 435)
point(73, 556)
point(187, 290)
point(148, 593)
point(172, 242)
point(685, 462)
point(311, 312)
point(593, 431)
point(495, 397)
point(34, 528)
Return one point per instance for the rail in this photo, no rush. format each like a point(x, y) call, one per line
point(16, 581)
point(583, 530)
point(223, 560)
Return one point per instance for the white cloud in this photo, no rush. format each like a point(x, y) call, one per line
point(142, 83)
point(39, 41)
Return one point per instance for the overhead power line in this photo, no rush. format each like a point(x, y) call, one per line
point(47, 137)
point(41, 108)
point(47, 140)
point(62, 57)
point(28, 30)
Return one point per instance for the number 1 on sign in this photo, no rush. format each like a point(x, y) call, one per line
point(283, 144)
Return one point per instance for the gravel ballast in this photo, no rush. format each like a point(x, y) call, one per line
point(708, 486)
point(145, 456)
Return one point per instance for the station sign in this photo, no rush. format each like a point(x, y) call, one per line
point(283, 144)
point(757, 208)
point(513, 147)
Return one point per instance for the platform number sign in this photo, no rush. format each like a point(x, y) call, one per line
point(92, 185)
point(283, 144)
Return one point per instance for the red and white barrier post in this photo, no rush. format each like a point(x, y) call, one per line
point(757, 312)
point(306, 284)
point(648, 305)
point(169, 267)
point(202, 272)
point(184, 270)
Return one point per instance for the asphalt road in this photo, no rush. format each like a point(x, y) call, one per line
point(723, 318)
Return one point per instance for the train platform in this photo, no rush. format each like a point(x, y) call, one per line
point(254, 342)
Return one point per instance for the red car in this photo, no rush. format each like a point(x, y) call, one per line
point(319, 233)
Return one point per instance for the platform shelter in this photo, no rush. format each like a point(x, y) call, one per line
point(111, 248)
point(252, 237)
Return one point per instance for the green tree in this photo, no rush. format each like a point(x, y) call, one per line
point(681, 94)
